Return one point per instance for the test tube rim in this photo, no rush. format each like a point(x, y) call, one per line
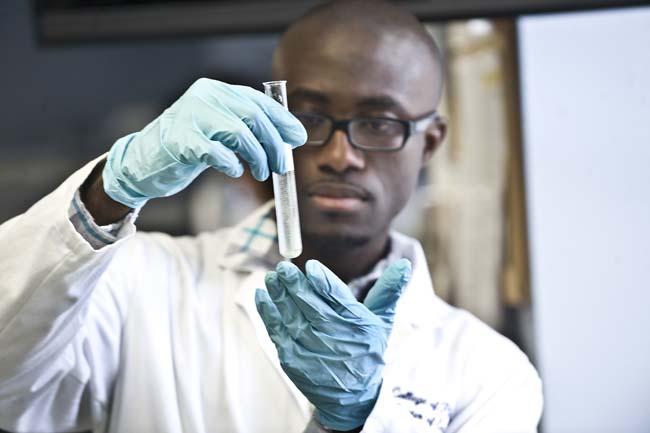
point(274, 83)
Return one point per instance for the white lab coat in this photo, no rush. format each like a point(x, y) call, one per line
point(160, 334)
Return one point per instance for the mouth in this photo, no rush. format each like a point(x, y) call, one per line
point(337, 196)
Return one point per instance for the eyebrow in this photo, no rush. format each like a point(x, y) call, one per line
point(380, 102)
point(309, 95)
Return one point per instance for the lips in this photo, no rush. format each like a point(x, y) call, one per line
point(337, 196)
point(338, 190)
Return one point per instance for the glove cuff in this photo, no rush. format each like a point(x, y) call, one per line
point(113, 186)
point(349, 417)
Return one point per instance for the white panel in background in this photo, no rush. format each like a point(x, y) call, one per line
point(586, 106)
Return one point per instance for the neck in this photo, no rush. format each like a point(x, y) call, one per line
point(347, 262)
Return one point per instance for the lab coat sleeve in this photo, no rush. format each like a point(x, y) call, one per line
point(97, 236)
point(59, 352)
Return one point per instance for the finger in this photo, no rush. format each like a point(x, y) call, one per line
point(271, 318)
point(312, 305)
point(237, 137)
point(290, 128)
point(218, 156)
point(261, 126)
point(383, 296)
point(334, 291)
point(292, 316)
point(270, 139)
point(216, 110)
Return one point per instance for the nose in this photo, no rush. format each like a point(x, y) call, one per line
point(338, 155)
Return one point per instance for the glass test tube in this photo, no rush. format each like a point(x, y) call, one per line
point(284, 189)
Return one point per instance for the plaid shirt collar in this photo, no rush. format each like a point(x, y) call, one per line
point(254, 245)
point(254, 242)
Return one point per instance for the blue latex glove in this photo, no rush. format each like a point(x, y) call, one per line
point(206, 127)
point(330, 345)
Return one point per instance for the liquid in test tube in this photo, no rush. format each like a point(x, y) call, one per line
point(284, 188)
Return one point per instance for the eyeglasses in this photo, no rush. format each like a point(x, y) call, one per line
point(372, 134)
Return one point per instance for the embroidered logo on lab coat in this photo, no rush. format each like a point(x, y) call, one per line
point(435, 414)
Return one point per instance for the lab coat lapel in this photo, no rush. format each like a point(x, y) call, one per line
point(417, 306)
point(250, 253)
point(245, 302)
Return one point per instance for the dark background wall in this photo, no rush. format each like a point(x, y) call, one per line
point(63, 105)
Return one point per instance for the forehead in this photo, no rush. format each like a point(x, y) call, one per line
point(349, 66)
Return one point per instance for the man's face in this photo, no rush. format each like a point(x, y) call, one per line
point(345, 194)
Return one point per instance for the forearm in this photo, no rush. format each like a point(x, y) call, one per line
point(103, 209)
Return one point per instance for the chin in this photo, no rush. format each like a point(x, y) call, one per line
point(334, 237)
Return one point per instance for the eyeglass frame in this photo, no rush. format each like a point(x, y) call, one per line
point(411, 127)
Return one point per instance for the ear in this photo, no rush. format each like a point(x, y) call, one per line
point(433, 137)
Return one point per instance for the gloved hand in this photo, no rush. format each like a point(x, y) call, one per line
point(204, 128)
point(330, 345)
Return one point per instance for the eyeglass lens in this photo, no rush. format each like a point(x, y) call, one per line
point(368, 133)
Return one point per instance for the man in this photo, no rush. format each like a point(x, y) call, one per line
point(105, 329)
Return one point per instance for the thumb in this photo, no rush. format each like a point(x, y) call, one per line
point(383, 296)
point(270, 316)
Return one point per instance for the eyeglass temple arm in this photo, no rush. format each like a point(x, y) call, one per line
point(421, 124)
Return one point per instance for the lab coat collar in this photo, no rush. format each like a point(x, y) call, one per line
point(418, 306)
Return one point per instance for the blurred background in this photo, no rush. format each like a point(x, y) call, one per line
point(534, 214)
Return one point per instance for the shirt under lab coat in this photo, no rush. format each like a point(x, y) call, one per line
point(160, 334)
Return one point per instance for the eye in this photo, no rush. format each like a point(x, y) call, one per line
point(379, 126)
point(310, 121)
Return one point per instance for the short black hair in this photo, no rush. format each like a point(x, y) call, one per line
point(372, 16)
